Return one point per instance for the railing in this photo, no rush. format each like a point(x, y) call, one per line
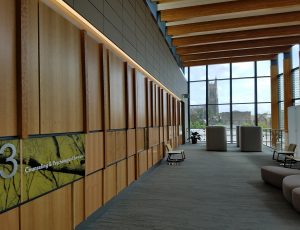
point(274, 138)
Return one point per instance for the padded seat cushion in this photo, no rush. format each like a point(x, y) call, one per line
point(296, 198)
point(288, 184)
point(274, 174)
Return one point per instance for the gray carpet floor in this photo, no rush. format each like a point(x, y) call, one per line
point(209, 190)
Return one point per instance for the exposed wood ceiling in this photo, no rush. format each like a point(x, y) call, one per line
point(220, 31)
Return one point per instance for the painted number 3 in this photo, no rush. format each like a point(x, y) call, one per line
point(9, 159)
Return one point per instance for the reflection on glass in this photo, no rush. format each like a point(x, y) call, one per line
point(280, 88)
point(218, 92)
point(242, 90)
point(219, 115)
point(198, 93)
point(281, 115)
point(280, 63)
point(297, 102)
point(243, 114)
point(263, 68)
point(295, 56)
point(198, 73)
point(264, 89)
point(219, 71)
point(242, 69)
point(186, 73)
point(296, 84)
point(198, 117)
point(264, 115)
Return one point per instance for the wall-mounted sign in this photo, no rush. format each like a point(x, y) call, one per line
point(51, 162)
point(10, 192)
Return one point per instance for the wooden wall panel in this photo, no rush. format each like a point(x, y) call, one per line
point(150, 109)
point(121, 175)
point(171, 133)
point(165, 107)
point(95, 85)
point(121, 145)
point(53, 210)
point(153, 136)
point(161, 150)
point(131, 150)
point(60, 74)
point(161, 134)
point(166, 134)
point(110, 148)
point(29, 68)
point(94, 156)
point(141, 100)
point(110, 183)
point(10, 220)
point(130, 91)
point(142, 161)
point(140, 140)
point(105, 77)
point(8, 92)
point(170, 109)
point(156, 105)
point(78, 202)
point(131, 169)
point(161, 107)
point(93, 192)
point(150, 158)
point(117, 103)
point(155, 154)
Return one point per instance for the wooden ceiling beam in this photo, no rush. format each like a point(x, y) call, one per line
point(271, 42)
point(237, 36)
point(223, 8)
point(228, 60)
point(213, 26)
point(235, 53)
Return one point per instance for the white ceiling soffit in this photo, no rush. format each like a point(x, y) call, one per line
point(186, 3)
point(236, 15)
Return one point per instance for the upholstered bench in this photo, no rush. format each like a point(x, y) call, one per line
point(274, 174)
point(296, 198)
point(289, 183)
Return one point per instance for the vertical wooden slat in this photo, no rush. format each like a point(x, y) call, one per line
point(85, 89)
point(287, 87)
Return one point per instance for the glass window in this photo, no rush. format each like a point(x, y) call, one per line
point(297, 102)
point(264, 89)
point(281, 115)
point(296, 84)
point(263, 68)
point(264, 115)
point(280, 88)
point(198, 117)
point(242, 114)
point(242, 69)
point(186, 73)
point(219, 115)
point(242, 90)
point(198, 93)
point(295, 56)
point(219, 71)
point(280, 63)
point(219, 92)
point(198, 73)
